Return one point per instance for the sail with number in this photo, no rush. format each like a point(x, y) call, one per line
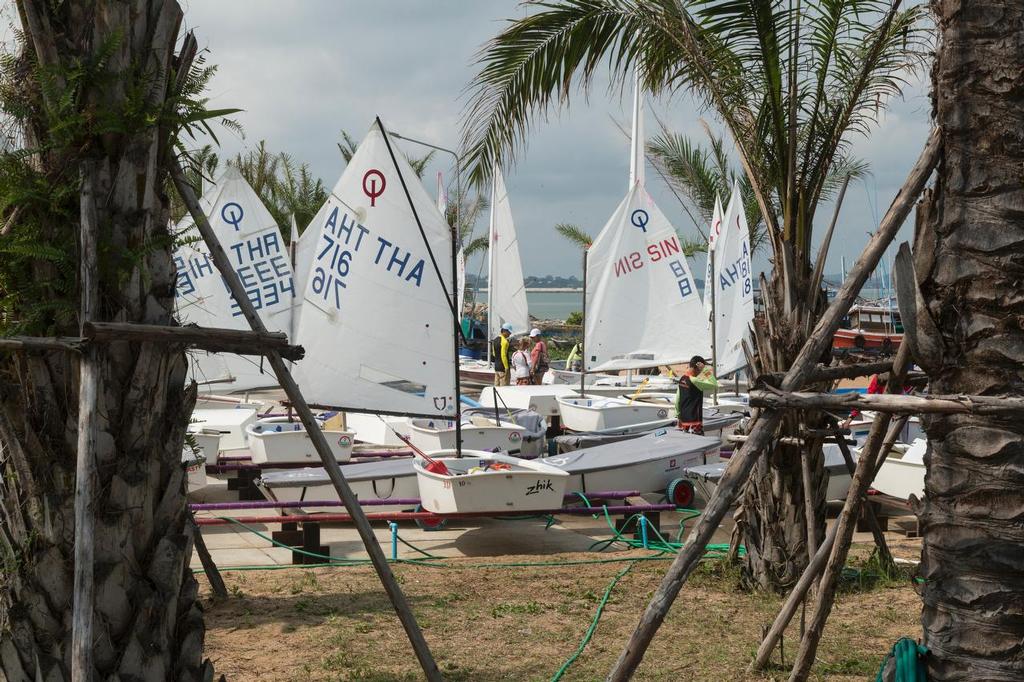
point(734, 287)
point(643, 307)
point(714, 230)
point(377, 321)
point(259, 254)
point(506, 293)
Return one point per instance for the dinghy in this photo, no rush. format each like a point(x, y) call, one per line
point(717, 424)
point(478, 433)
point(280, 440)
point(231, 425)
point(595, 413)
point(902, 473)
point(487, 482)
point(378, 429)
point(647, 464)
point(541, 399)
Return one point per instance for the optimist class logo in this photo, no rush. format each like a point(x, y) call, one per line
point(370, 185)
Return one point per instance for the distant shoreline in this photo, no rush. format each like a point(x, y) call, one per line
point(550, 290)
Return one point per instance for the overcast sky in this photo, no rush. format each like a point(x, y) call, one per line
point(303, 70)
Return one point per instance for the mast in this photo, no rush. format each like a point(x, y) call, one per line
point(490, 260)
point(714, 324)
point(583, 343)
point(456, 333)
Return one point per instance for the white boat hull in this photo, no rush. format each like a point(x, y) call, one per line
point(377, 429)
point(541, 399)
point(279, 441)
point(902, 473)
point(525, 487)
point(439, 434)
point(591, 413)
point(231, 424)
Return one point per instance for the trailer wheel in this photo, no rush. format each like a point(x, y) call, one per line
point(436, 523)
point(680, 492)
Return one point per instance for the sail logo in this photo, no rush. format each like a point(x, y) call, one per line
point(232, 214)
point(370, 187)
point(640, 218)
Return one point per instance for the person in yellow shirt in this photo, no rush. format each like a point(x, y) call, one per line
point(502, 354)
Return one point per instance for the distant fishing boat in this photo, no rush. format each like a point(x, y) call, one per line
point(874, 327)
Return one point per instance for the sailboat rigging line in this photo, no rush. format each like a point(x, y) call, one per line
point(419, 224)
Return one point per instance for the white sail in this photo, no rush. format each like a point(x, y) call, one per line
point(259, 254)
point(506, 292)
point(734, 287)
point(714, 230)
point(643, 308)
point(377, 322)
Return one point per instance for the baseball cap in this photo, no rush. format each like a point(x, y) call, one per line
point(534, 332)
point(507, 327)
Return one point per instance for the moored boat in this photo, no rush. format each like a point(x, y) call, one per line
point(871, 327)
point(596, 413)
point(478, 433)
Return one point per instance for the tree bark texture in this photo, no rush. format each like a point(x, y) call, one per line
point(970, 265)
point(777, 520)
point(147, 621)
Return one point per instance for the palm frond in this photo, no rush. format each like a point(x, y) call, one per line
point(575, 234)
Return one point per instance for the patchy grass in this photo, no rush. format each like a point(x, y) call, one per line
point(521, 623)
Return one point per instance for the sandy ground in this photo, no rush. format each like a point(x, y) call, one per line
point(489, 620)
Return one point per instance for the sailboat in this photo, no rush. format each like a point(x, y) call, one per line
point(506, 292)
point(379, 321)
point(642, 308)
point(729, 291)
point(253, 242)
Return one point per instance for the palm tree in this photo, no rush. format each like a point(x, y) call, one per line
point(349, 144)
point(968, 260)
point(575, 234)
point(792, 84)
point(102, 103)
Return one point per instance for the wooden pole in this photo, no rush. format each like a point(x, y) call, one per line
point(88, 424)
point(810, 513)
point(822, 373)
point(762, 432)
point(214, 339)
point(799, 593)
point(847, 521)
point(316, 435)
point(885, 556)
point(209, 567)
point(895, 404)
point(62, 344)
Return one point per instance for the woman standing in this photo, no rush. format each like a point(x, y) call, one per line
point(538, 356)
point(521, 363)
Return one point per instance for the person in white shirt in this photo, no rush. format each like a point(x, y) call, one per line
point(521, 363)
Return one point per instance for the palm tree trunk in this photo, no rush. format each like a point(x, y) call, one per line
point(969, 260)
point(773, 511)
point(148, 623)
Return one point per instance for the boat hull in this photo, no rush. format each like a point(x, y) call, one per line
point(439, 434)
point(231, 424)
point(847, 338)
point(590, 413)
point(525, 487)
point(278, 441)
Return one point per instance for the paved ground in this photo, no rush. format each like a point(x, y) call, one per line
point(484, 537)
